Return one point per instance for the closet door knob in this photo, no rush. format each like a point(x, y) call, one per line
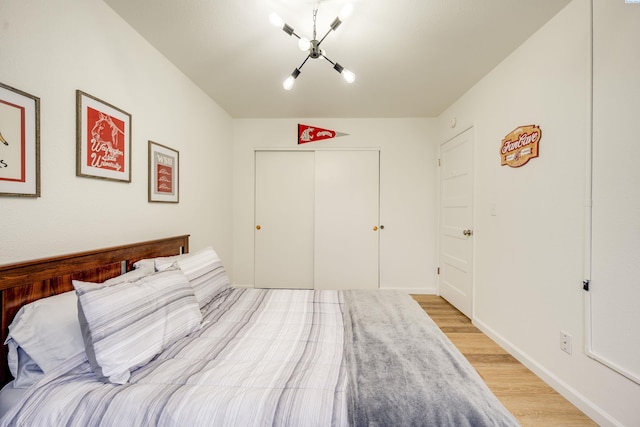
point(375, 228)
point(258, 227)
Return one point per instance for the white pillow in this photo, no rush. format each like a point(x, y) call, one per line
point(204, 270)
point(48, 331)
point(166, 259)
point(24, 369)
point(147, 264)
point(126, 325)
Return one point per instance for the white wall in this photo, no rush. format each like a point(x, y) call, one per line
point(615, 240)
point(529, 258)
point(408, 186)
point(51, 48)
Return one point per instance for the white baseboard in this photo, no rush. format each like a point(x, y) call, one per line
point(417, 291)
point(581, 402)
point(240, 285)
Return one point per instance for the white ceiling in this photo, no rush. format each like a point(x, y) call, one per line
point(412, 58)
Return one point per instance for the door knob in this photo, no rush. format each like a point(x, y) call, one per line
point(375, 228)
point(258, 227)
point(467, 232)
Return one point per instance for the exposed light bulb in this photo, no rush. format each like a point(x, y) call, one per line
point(348, 76)
point(276, 20)
point(346, 11)
point(304, 44)
point(288, 83)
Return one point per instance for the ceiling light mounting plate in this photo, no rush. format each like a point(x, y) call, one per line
point(314, 50)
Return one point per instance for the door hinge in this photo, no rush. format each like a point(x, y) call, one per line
point(438, 162)
point(438, 270)
point(585, 284)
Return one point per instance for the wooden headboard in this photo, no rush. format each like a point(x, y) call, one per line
point(25, 282)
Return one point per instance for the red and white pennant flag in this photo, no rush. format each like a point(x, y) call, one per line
point(308, 133)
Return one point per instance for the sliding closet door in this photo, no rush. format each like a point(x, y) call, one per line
point(284, 212)
point(346, 219)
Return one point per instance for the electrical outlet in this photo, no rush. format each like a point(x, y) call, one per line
point(565, 342)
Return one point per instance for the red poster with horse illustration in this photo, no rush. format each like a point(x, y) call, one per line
point(104, 139)
point(106, 136)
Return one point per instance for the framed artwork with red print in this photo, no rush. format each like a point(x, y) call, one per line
point(164, 168)
point(103, 136)
point(19, 143)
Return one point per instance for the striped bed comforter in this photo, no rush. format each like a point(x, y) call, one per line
point(285, 358)
point(262, 357)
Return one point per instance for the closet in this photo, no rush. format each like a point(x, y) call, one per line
point(316, 219)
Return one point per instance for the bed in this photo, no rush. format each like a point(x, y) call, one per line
point(151, 334)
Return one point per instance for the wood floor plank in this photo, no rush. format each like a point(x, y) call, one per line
point(530, 400)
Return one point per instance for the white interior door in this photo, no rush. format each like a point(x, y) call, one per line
point(456, 219)
point(284, 218)
point(346, 220)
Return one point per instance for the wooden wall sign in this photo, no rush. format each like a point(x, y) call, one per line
point(520, 146)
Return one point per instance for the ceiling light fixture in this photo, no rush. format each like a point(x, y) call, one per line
point(313, 46)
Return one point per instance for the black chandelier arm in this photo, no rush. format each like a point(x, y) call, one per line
point(339, 68)
point(332, 63)
point(334, 26)
point(325, 36)
point(304, 62)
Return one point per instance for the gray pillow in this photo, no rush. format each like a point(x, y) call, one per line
point(46, 332)
point(126, 325)
point(204, 271)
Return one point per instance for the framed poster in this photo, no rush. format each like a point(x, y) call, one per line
point(164, 173)
point(19, 143)
point(103, 136)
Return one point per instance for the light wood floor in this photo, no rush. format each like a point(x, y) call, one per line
point(530, 400)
